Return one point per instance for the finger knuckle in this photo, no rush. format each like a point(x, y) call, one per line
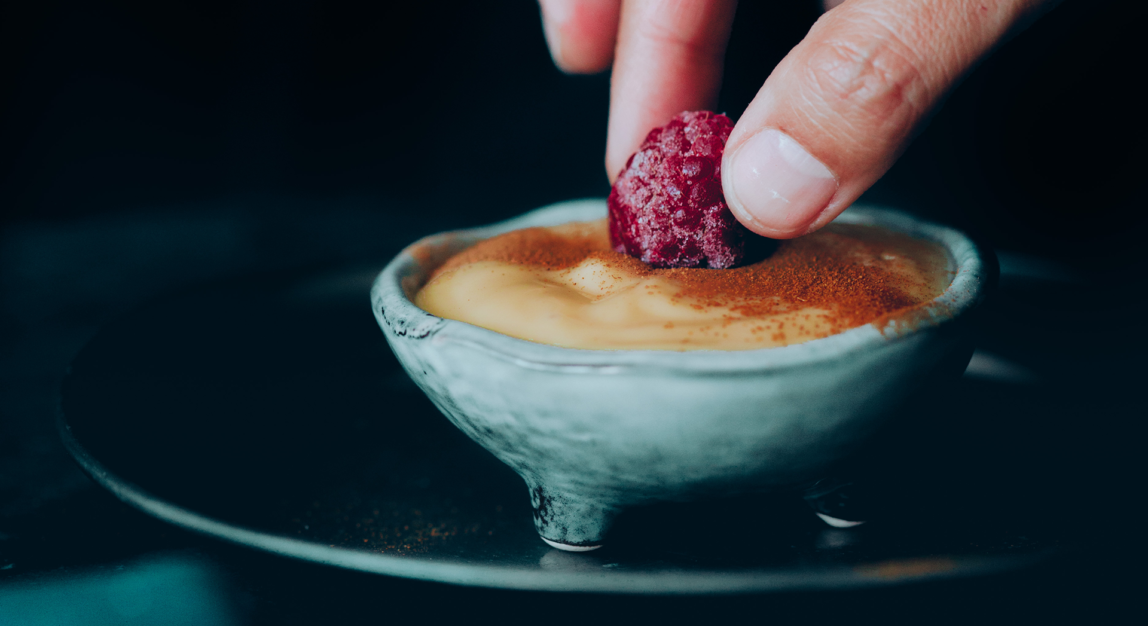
point(677, 34)
point(878, 82)
point(690, 48)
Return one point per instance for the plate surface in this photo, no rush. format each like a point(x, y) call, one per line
point(270, 412)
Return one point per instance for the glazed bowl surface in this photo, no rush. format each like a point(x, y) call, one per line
point(595, 431)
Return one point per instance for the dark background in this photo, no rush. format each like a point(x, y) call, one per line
point(146, 146)
point(455, 108)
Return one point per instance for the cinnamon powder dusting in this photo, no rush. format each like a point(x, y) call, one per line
point(856, 274)
point(553, 248)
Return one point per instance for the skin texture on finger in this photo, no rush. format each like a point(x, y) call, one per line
point(841, 107)
point(581, 33)
point(668, 60)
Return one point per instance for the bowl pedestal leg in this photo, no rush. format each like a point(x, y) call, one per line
point(838, 502)
point(569, 521)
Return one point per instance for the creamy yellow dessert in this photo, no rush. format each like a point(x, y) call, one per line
point(565, 286)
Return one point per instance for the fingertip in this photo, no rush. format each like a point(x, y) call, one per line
point(581, 33)
point(550, 11)
point(775, 187)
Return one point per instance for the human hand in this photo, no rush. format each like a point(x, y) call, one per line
point(830, 120)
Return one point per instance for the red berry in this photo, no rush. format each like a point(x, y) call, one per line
point(667, 207)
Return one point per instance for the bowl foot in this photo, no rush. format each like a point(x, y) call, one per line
point(837, 502)
point(570, 521)
point(838, 523)
point(569, 548)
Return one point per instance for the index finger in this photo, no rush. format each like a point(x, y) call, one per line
point(668, 60)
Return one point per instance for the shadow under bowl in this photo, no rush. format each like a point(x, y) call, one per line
point(595, 431)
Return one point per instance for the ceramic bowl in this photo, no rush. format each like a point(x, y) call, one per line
point(595, 431)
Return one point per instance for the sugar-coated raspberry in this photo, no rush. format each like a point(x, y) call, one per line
point(667, 207)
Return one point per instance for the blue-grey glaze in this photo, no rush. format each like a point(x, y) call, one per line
point(594, 431)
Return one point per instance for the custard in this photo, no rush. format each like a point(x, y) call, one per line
point(565, 286)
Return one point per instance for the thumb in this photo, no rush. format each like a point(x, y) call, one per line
point(841, 107)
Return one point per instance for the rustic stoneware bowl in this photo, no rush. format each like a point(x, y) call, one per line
point(595, 431)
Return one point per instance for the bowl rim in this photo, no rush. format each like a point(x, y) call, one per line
point(394, 309)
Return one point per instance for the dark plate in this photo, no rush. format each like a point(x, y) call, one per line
point(271, 413)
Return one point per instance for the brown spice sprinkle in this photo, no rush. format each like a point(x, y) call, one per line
point(829, 271)
point(553, 248)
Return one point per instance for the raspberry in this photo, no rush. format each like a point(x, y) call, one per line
point(667, 207)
